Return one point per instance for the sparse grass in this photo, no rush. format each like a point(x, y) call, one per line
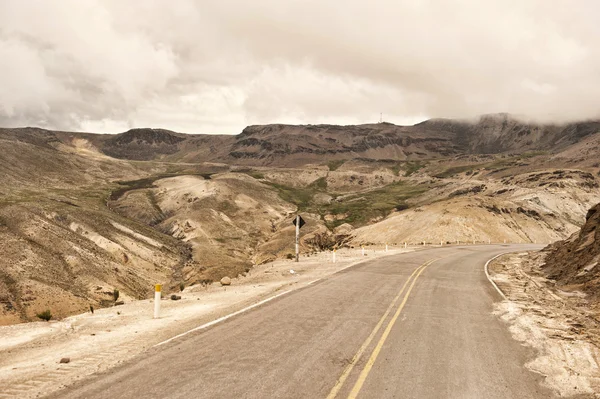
point(377, 203)
point(458, 169)
point(252, 173)
point(148, 182)
point(334, 165)
point(135, 185)
point(413, 167)
point(301, 197)
point(531, 154)
point(319, 184)
point(409, 167)
point(257, 176)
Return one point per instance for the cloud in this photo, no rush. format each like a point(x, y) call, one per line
point(216, 66)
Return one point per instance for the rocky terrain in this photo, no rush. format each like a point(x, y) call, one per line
point(572, 263)
point(83, 214)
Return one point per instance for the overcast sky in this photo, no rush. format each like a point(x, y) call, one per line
point(216, 66)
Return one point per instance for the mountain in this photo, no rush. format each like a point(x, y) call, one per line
point(297, 145)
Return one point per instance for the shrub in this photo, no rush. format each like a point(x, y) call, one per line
point(290, 256)
point(116, 294)
point(181, 287)
point(45, 315)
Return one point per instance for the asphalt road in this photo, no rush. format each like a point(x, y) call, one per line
point(415, 325)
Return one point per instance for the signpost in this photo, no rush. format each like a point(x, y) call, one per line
point(298, 222)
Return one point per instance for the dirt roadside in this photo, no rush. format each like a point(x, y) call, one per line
point(30, 353)
point(562, 328)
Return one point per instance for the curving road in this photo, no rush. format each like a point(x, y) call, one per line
point(415, 325)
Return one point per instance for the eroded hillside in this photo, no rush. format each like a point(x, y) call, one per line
point(573, 263)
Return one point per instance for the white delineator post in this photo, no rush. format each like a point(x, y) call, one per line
point(405, 244)
point(363, 251)
point(333, 256)
point(157, 297)
point(297, 238)
point(386, 247)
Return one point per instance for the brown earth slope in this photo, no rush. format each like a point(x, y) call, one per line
point(573, 263)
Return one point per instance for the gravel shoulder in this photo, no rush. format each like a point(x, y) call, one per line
point(562, 328)
point(30, 353)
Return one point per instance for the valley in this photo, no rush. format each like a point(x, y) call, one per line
point(82, 214)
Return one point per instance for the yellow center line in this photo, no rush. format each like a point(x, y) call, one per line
point(365, 373)
point(340, 382)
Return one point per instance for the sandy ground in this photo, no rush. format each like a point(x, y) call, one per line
point(30, 353)
point(562, 328)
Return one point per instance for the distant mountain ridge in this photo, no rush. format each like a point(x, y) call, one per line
point(296, 145)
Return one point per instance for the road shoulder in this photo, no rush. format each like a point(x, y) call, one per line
point(563, 329)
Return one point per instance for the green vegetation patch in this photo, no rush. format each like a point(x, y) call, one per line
point(409, 167)
point(319, 184)
point(358, 209)
point(458, 169)
point(301, 197)
point(252, 173)
point(334, 165)
point(413, 167)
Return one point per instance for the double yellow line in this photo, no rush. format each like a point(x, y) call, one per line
point(369, 365)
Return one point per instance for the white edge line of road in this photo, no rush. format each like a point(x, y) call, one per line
point(221, 319)
point(490, 278)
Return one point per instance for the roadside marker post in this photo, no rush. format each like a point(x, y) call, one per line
point(405, 244)
point(298, 222)
point(363, 250)
point(333, 257)
point(298, 238)
point(386, 247)
point(157, 297)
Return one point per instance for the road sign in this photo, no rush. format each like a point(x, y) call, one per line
point(302, 222)
point(298, 222)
